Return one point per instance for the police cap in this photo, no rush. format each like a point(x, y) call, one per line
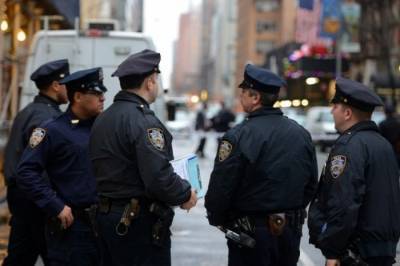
point(260, 79)
point(355, 94)
point(49, 72)
point(143, 63)
point(85, 80)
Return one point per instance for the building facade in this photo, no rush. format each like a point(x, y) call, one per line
point(187, 53)
point(262, 25)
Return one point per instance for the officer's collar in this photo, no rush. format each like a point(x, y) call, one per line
point(74, 120)
point(265, 111)
point(361, 126)
point(42, 98)
point(124, 95)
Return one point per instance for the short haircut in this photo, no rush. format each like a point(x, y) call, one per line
point(267, 99)
point(360, 114)
point(43, 86)
point(133, 81)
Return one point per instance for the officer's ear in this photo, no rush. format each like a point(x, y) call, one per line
point(256, 97)
point(55, 86)
point(347, 112)
point(151, 81)
point(77, 96)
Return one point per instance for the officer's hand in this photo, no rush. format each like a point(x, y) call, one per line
point(66, 217)
point(332, 263)
point(191, 202)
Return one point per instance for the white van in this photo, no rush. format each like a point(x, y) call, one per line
point(87, 49)
point(319, 122)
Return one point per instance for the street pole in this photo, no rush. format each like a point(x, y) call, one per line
point(1, 69)
point(338, 56)
point(14, 55)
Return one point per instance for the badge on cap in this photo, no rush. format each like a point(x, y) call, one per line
point(37, 137)
point(225, 149)
point(156, 138)
point(338, 163)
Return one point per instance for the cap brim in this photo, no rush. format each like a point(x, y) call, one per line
point(99, 88)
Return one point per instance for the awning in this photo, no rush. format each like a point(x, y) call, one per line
point(69, 9)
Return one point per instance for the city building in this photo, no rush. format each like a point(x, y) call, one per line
point(187, 53)
point(128, 14)
point(262, 25)
point(222, 51)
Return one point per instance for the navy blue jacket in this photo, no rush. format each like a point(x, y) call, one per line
point(358, 199)
point(265, 165)
point(41, 109)
point(130, 151)
point(60, 149)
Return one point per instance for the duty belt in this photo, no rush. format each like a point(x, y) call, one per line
point(277, 221)
point(107, 204)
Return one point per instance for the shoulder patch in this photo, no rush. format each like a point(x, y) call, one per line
point(37, 136)
point(224, 150)
point(338, 163)
point(156, 138)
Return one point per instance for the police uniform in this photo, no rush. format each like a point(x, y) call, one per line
point(26, 240)
point(358, 200)
point(60, 147)
point(265, 166)
point(390, 130)
point(130, 151)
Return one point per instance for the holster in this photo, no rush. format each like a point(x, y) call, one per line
point(165, 216)
point(130, 212)
point(240, 231)
point(55, 228)
point(352, 259)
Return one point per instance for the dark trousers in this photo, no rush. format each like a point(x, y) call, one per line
point(283, 250)
point(380, 261)
point(76, 246)
point(135, 248)
point(200, 148)
point(26, 240)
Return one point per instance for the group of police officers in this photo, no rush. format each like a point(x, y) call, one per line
point(87, 187)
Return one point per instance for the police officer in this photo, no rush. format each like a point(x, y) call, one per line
point(264, 175)
point(60, 147)
point(26, 239)
point(358, 200)
point(390, 129)
point(130, 151)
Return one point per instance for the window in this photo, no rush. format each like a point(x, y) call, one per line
point(267, 5)
point(264, 46)
point(266, 26)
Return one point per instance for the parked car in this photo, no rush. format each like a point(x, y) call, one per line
point(296, 114)
point(319, 122)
